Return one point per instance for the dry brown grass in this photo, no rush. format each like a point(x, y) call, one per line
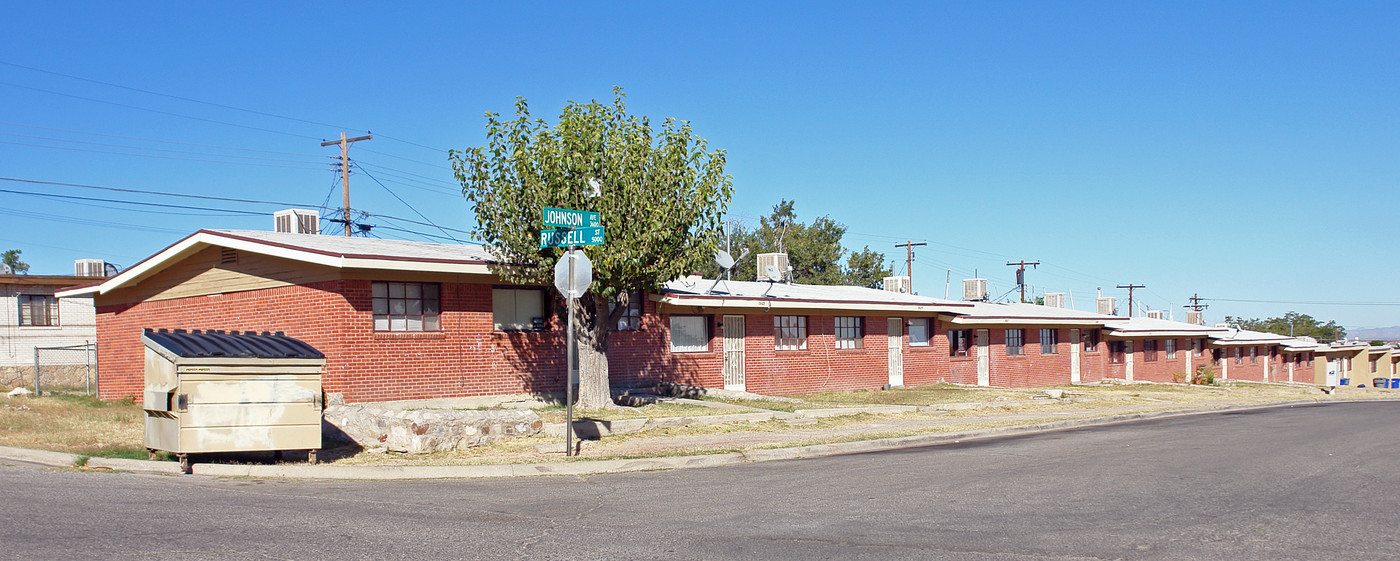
point(73, 423)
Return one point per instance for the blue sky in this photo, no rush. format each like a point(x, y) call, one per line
point(1245, 151)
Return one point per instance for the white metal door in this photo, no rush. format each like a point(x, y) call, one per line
point(984, 358)
point(1074, 346)
point(896, 347)
point(734, 353)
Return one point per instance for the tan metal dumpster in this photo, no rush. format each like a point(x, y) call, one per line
point(217, 391)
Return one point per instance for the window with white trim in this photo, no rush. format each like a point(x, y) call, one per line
point(918, 332)
point(38, 310)
point(517, 309)
point(850, 332)
point(1171, 348)
point(690, 334)
point(406, 306)
point(789, 333)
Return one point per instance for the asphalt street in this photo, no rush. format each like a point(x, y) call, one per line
point(1303, 482)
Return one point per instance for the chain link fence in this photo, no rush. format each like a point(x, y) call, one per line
point(71, 368)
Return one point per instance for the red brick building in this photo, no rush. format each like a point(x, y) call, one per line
point(1251, 355)
point(1026, 345)
point(1158, 350)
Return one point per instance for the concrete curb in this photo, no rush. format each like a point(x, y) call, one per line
point(590, 467)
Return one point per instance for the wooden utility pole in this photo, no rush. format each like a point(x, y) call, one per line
point(345, 171)
point(1196, 304)
point(1021, 275)
point(1130, 288)
point(908, 245)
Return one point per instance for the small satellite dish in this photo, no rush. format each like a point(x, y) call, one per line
point(724, 260)
point(771, 271)
point(595, 187)
point(5, 269)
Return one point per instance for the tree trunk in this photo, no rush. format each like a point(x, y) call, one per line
point(591, 327)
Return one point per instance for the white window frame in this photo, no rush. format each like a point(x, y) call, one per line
point(406, 306)
point(1049, 340)
point(789, 333)
point(515, 309)
point(687, 327)
point(631, 320)
point(48, 309)
point(1171, 349)
point(919, 326)
point(849, 332)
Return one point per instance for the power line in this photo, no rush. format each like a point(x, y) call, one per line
point(90, 150)
point(405, 203)
point(1308, 302)
point(161, 205)
point(181, 98)
point(145, 192)
point(157, 111)
point(128, 146)
point(147, 139)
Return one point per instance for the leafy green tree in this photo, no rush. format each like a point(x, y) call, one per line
point(661, 194)
point(814, 250)
point(11, 258)
point(1292, 323)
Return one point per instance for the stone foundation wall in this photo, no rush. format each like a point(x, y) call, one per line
point(420, 431)
point(51, 376)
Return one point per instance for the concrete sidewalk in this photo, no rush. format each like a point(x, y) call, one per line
point(585, 466)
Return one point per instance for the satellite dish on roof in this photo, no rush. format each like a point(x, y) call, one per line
point(772, 272)
point(724, 260)
point(5, 269)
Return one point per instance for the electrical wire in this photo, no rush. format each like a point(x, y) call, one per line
point(175, 142)
point(285, 166)
point(145, 192)
point(191, 100)
point(405, 203)
point(161, 205)
point(1308, 302)
point(168, 150)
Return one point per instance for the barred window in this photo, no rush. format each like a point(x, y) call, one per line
point(1091, 341)
point(1149, 350)
point(850, 332)
point(1171, 349)
point(38, 310)
point(1015, 341)
point(1253, 355)
point(789, 333)
point(405, 306)
point(958, 341)
point(1049, 338)
point(1238, 356)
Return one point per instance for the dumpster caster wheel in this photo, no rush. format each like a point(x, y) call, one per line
point(184, 463)
point(150, 454)
point(311, 457)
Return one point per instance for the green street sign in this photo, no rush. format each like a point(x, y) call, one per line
point(565, 218)
point(571, 236)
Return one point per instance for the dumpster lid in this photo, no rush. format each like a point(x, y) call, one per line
point(214, 343)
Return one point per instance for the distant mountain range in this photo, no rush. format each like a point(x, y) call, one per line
point(1375, 333)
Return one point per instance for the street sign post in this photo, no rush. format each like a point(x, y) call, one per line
point(573, 274)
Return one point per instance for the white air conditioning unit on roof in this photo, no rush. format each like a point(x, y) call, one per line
point(898, 284)
point(1155, 314)
point(1108, 305)
point(975, 290)
point(89, 268)
point(1195, 318)
point(297, 221)
point(772, 267)
point(1055, 299)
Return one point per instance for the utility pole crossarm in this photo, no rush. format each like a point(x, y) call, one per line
point(345, 171)
point(1021, 275)
point(1130, 287)
point(909, 245)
